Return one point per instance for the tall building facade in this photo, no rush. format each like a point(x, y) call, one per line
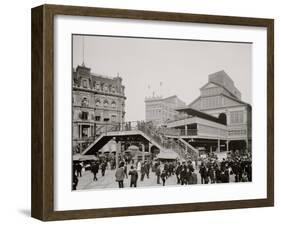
point(98, 103)
point(159, 110)
point(220, 98)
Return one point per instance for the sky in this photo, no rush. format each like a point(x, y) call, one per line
point(181, 66)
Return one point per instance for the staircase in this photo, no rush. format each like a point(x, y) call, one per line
point(191, 151)
point(164, 142)
point(150, 133)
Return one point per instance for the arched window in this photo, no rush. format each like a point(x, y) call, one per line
point(84, 83)
point(84, 115)
point(105, 88)
point(98, 102)
point(113, 89)
point(97, 86)
point(85, 102)
point(222, 118)
point(105, 103)
point(113, 104)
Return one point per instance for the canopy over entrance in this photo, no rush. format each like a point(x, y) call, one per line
point(168, 154)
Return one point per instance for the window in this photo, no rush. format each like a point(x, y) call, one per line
point(113, 104)
point(97, 86)
point(113, 118)
point(85, 83)
point(98, 103)
point(84, 102)
point(105, 88)
point(236, 117)
point(85, 131)
point(84, 115)
point(105, 103)
point(97, 118)
point(106, 119)
point(211, 102)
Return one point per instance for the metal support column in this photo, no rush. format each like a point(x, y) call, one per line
point(118, 151)
point(80, 131)
point(143, 152)
point(227, 145)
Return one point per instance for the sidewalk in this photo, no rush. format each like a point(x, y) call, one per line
point(108, 181)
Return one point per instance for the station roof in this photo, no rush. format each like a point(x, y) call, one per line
point(200, 114)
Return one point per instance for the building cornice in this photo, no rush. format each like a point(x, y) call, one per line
point(98, 108)
point(75, 88)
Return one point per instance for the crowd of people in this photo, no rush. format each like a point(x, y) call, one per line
point(205, 170)
point(240, 166)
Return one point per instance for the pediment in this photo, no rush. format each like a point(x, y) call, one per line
point(230, 101)
point(210, 85)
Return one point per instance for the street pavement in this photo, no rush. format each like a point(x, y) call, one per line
point(108, 181)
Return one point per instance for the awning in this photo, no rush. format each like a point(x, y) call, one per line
point(76, 157)
point(133, 148)
point(88, 157)
point(168, 154)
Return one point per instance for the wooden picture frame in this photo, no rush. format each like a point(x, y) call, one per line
point(42, 203)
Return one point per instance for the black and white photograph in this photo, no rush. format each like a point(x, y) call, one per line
point(151, 112)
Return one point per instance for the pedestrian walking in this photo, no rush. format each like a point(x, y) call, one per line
point(224, 176)
point(74, 181)
point(158, 172)
point(79, 170)
point(244, 177)
point(142, 171)
point(120, 175)
point(139, 166)
point(108, 165)
point(147, 169)
point(134, 177)
point(183, 175)
point(211, 174)
point(194, 178)
point(218, 174)
point(203, 174)
point(103, 168)
point(95, 170)
point(178, 171)
point(126, 170)
point(189, 176)
point(163, 176)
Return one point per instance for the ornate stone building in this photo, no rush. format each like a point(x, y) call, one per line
point(159, 110)
point(218, 119)
point(98, 104)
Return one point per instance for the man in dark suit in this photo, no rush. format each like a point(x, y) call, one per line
point(103, 168)
point(178, 171)
point(203, 173)
point(134, 177)
point(158, 172)
point(95, 170)
point(79, 170)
